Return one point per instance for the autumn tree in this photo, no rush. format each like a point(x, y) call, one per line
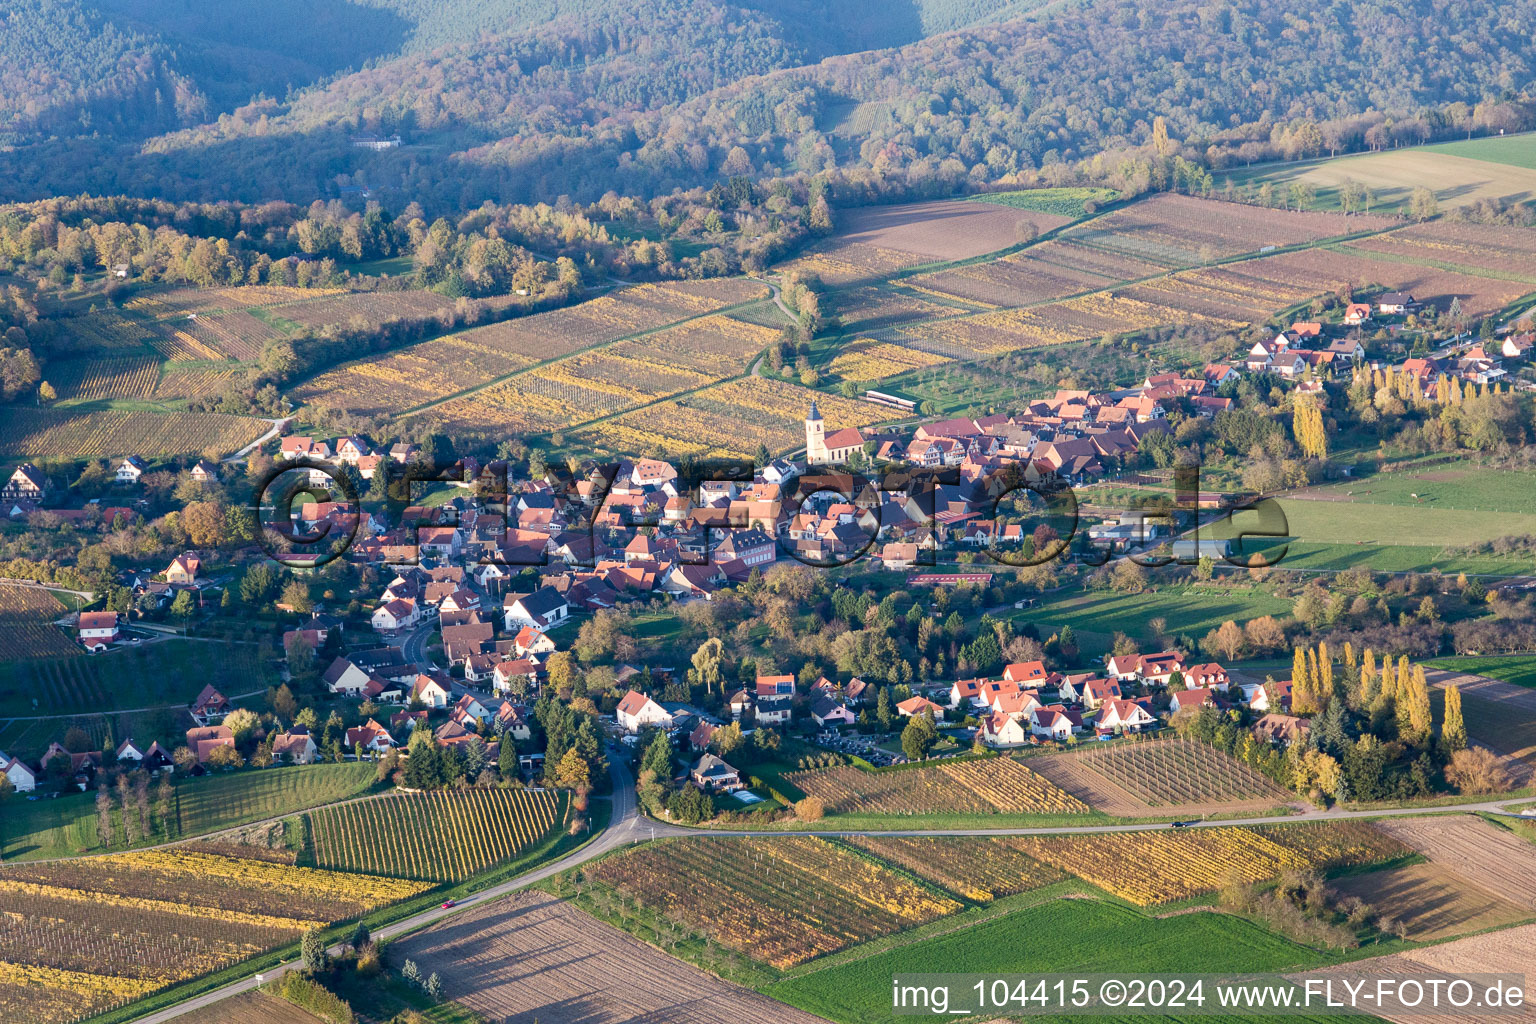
point(1453, 731)
point(1226, 640)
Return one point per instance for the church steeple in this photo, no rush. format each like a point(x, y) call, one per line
point(815, 437)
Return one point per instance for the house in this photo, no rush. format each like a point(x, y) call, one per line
point(401, 613)
point(345, 678)
point(968, 690)
point(918, 705)
point(825, 711)
point(183, 569)
point(369, 736)
point(295, 746)
point(210, 704)
point(637, 711)
point(751, 547)
point(506, 672)
point(1025, 673)
point(541, 609)
point(1269, 696)
point(1208, 676)
point(774, 710)
point(1395, 302)
point(1093, 692)
point(1123, 666)
point(1054, 722)
point(23, 778)
point(1357, 313)
point(460, 643)
point(469, 707)
point(432, 689)
point(713, 775)
point(512, 719)
point(1003, 730)
point(738, 702)
point(1122, 716)
point(1191, 700)
point(897, 555)
point(1281, 729)
point(97, 630)
point(129, 751)
point(204, 739)
point(775, 686)
point(205, 472)
point(1158, 669)
point(129, 470)
point(27, 483)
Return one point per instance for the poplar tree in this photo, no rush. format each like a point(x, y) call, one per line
point(1301, 686)
point(1420, 718)
point(1453, 731)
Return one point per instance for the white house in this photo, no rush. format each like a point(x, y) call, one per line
point(345, 678)
point(1054, 722)
point(296, 745)
point(129, 470)
point(1122, 716)
point(431, 689)
point(1002, 730)
point(401, 613)
point(22, 777)
point(97, 629)
point(637, 711)
point(541, 609)
point(826, 711)
point(370, 736)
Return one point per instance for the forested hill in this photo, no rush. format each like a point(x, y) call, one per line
point(126, 69)
point(644, 98)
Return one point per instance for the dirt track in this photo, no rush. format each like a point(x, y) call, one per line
point(530, 957)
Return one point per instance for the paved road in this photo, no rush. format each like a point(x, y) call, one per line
point(623, 827)
point(663, 829)
point(414, 646)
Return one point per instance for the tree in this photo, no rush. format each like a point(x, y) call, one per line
point(242, 722)
point(360, 936)
point(1226, 640)
point(573, 773)
point(561, 671)
point(918, 737)
point(296, 597)
point(1477, 770)
point(1423, 205)
point(103, 815)
point(312, 951)
point(690, 805)
point(1302, 697)
point(182, 607)
point(706, 665)
point(433, 987)
point(45, 392)
point(658, 756)
point(809, 809)
point(1453, 731)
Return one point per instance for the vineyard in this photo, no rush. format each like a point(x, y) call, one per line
point(1181, 771)
point(62, 434)
point(436, 836)
point(869, 360)
point(87, 380)
point(102, 334)
point(145, 676)
point(1502, 250)
point(730, 419)
point(979, 868)
point(1157, 866)
point(26, 625)
point(782, 901)
point(82, 937)
point(182, 301)
point(444, 367)
point(872, 307)
point(996, 785)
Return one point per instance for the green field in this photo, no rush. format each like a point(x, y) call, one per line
point(1461, 173)
point(1194, 610)
point(1062, 935)
point(1513, 150)
point(66, 826)
point(1456, 485)
point(1064, 202)
point(1519, 669)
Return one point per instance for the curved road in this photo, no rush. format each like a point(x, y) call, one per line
point(622, 828)
point(627, 825)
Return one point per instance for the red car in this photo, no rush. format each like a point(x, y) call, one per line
point(447, 904)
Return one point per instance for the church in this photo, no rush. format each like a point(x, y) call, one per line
point(822, 449)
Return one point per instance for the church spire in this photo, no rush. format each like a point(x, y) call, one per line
point(814, 414)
